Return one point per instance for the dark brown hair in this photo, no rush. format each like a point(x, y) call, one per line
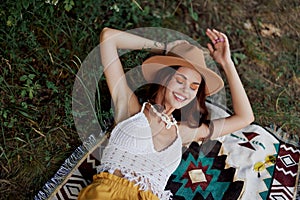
point(195, 113)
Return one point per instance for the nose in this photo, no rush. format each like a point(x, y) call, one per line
point(184, 87)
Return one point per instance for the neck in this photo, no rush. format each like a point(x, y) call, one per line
point(169, 120)
point(168, 110)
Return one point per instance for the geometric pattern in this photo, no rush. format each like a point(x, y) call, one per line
point(288, 161)
point(216, 179)
point(285, 175)
point(248, 140)
point(219, 181)
point(80, 178)
point(280, 183)
point(280, 192)
point(249, 137)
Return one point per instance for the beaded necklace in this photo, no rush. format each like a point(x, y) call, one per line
point(169, 121)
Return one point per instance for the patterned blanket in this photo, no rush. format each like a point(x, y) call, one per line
point(252, 163)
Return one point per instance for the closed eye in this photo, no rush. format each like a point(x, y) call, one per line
point(194, 86)
point(179, 80)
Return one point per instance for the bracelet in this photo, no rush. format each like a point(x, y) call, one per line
point(165, 49)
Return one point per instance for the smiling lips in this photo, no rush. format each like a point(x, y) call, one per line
point(179, 97)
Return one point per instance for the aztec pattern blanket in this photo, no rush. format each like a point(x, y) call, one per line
point(252, 163)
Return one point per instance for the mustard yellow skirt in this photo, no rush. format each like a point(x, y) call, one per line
point(107, 186)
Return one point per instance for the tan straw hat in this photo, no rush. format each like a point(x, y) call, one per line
point(185, 55)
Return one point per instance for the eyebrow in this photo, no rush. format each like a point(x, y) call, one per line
point(185, 78)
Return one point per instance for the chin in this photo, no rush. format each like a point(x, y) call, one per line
point(178, 105)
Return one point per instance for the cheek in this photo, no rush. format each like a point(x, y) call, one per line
point(173, 86)
point(193, 96)
point(195, 93)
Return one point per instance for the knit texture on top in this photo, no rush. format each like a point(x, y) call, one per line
point(131, 150)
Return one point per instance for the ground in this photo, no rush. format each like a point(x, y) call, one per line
point(43, 44)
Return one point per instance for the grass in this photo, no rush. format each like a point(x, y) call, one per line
point(42, 45)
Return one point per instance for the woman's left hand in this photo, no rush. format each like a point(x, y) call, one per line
point(219, 49)
point(170, 45)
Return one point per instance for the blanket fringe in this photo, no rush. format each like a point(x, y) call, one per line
point(72, 161)
point(292, 139)
point(66, 168)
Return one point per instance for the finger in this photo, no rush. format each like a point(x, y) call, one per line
point(212, 36)
point(221, 36)
point(183, 42)
point(225, 39)
point(218, 33)
point(224, 36)
point(210, 48)
point(177, 42)
point(215, 36)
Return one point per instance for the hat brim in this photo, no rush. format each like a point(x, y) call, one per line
point(152, 65)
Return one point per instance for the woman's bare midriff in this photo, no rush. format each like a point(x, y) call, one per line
point(118, 173)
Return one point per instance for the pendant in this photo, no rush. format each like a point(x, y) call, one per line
point(168, 125)
point(165, 118)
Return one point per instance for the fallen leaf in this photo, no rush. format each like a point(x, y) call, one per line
point(248, 25)
point(269, 30)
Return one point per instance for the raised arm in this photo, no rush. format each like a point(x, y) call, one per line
point(125, 102)
point(243, 114)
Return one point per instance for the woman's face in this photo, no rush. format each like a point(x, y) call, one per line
point(182, 88)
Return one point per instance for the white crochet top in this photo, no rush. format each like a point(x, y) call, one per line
point(131, 150)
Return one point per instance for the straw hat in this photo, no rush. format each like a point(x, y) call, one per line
point(185, 55)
